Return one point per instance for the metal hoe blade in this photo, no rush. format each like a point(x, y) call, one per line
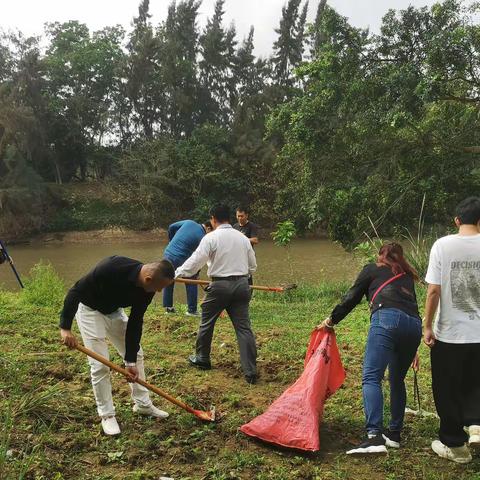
point(206, 416)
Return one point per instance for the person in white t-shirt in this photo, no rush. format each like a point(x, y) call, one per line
point(453, 279)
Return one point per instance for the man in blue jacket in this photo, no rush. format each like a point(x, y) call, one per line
point(184, 238)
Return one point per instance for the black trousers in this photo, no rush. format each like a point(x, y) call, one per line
point(456, 389)
point(234, 297)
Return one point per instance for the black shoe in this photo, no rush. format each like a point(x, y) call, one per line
point(392, 439)
point(198, 363)
point(170, 310)
point(373, 444)
point(251, 379)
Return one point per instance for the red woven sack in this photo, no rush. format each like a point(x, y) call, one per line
point(294, 419)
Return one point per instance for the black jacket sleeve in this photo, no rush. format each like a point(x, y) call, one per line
point(134, 329)
point(354, 296)
point(79, 293)
point(254, 230)
point(70, 307)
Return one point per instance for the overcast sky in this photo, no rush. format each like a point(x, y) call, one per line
point(29, 16)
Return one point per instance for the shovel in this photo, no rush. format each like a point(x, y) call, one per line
point(284, 288)
point(202, 415)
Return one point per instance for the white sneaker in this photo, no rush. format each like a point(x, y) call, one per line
point(474, 435)
point(373, 444)
point(455, 454)
point(110, 426)
point(151, 411)
point(190, 314)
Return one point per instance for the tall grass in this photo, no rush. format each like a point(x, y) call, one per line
point(38, 403)
point(367, 252)
point(418, 250)
point(43, 288)
point(417, 245)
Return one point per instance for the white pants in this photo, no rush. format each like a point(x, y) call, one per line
point(95, 328)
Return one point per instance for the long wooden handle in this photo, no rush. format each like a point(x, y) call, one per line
point(124, 372)
point(190, 281)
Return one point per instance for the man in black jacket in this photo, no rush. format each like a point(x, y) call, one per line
point(245, 226)
point(97, 301)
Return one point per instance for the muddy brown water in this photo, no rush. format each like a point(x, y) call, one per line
point(313, 260)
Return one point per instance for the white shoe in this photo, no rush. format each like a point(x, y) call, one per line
point(373, 444)
point(474, 435)
point(110, 426)
point(190, 314)
point(455, 454)
point(151, 411)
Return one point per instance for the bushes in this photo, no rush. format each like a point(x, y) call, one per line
point(416, 247)
point(44, 288)
point(26, 203)
point(90, 214)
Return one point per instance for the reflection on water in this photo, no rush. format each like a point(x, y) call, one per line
point(313, 260)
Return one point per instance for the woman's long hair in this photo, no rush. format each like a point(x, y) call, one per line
point(391, 255)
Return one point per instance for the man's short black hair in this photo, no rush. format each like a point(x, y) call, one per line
point(162, 270)
point(208, 224)
point(244, 209)
point(221, 213)
point(468, 211)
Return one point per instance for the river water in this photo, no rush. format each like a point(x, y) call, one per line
point(313, 260)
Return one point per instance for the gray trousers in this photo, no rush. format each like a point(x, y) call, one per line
point(234, 297)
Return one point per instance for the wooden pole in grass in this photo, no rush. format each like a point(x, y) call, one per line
point(190, 281)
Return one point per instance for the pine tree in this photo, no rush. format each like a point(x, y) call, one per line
point(217, 46)
point(317, 36)
point(251, 74)
point(288, 48)
point(179, 66)
point(301, 32)
point(245, 71)
point(143, 73)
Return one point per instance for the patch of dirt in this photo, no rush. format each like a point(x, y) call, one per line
point(60, 372)
point(94, 236)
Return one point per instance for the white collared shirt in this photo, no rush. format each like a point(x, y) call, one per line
point(226, 251)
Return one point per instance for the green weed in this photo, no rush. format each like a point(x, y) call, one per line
point(44, 288)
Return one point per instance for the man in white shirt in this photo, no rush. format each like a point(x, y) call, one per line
point(454, 286)
point(230, 259)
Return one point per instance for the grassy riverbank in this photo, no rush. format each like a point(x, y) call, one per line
point(81, 210)
point(49, 429)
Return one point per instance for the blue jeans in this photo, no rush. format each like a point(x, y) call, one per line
point(192, 290)
point(392, 341)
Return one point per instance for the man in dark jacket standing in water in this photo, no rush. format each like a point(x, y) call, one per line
point(97, 302)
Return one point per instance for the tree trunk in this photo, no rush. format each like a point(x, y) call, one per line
point(475, 149)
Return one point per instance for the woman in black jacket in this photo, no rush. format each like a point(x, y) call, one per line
point(394, 335)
